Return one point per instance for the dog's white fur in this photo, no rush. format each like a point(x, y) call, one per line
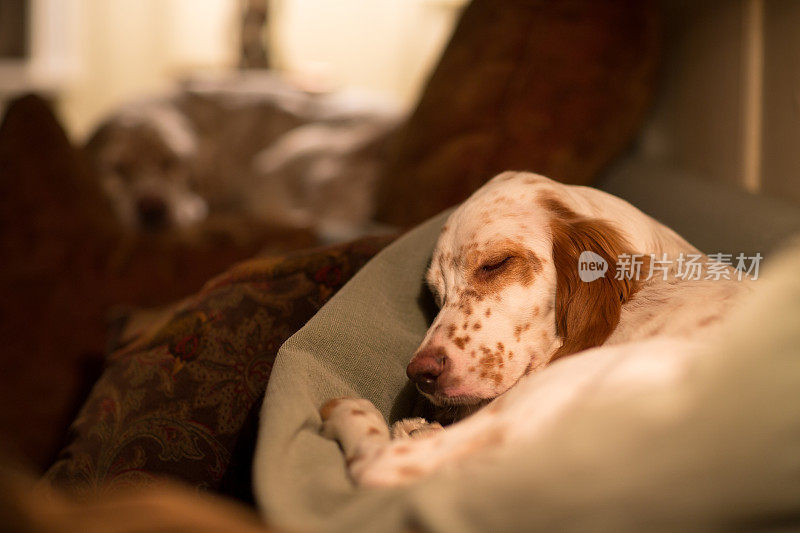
point(498, 278)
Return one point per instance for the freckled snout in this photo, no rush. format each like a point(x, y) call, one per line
point(427, 368)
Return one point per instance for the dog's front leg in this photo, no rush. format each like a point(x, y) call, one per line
point(358, 427)
point(372, 458)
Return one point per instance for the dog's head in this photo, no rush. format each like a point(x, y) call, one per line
point(144, 157)
point(505, 274)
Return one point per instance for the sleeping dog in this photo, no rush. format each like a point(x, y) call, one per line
point(527, 272)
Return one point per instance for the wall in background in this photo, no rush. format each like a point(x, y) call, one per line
point(698, 119)
point(388, 46)
point(780, 169)
point(94, 55)
point(50, 57)
point(729, 103)
point(130, 48)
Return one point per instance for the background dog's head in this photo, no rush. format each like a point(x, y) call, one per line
point(146, 163)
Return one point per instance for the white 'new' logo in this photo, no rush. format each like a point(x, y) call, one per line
point(591, 266)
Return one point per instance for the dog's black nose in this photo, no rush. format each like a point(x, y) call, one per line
point(152, 212)
point(426, 367)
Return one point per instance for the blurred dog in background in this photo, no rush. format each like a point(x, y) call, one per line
point(145, 156)
point(252, 144)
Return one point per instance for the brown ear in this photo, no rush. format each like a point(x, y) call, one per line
point(587, 312)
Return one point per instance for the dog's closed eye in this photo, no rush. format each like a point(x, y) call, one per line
point(494, 266)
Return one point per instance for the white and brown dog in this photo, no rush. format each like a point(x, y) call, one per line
point(505, 274)
point(254, 145)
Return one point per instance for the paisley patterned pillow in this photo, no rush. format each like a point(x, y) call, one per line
point(181, 398)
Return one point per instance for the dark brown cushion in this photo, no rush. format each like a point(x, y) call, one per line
point(181, 399)
point(554, 87)
point(54, 230)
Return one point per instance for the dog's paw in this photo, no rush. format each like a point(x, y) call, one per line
point(414, 428)
point(330, 406)
point(349, 420)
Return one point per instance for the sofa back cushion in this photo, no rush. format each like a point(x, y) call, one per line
point(557, 88)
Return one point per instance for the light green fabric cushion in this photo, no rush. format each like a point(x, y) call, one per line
point(718, 449)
